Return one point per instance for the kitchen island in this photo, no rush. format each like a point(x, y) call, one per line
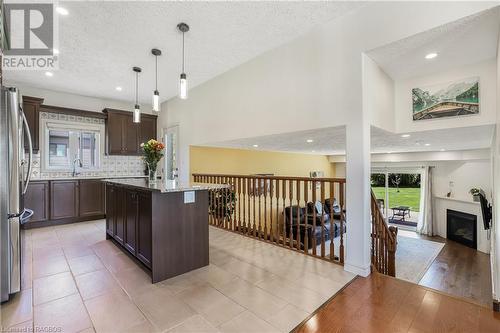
point(164, 227)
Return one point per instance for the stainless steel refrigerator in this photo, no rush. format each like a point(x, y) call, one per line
point(15, 172)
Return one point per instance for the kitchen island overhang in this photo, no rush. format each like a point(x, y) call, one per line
point(162, 225)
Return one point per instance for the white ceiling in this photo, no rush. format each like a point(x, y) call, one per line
point(331, 141)
point(100, 42)
point(469, 40)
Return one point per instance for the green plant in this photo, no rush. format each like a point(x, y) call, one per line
point(221, 203)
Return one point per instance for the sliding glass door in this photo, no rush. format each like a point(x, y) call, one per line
point(398, 193)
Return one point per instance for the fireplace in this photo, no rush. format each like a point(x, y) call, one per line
point(461, 227)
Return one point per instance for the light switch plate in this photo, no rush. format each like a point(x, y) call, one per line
point(189, 197)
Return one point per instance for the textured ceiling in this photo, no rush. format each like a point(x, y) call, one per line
point(331, 141)
point(466, 41)
point(101, 41)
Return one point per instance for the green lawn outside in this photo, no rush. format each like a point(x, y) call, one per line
point(405, 197)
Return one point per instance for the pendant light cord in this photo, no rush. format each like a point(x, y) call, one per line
point(183, 57)
point(136, 86)
point(156, 71)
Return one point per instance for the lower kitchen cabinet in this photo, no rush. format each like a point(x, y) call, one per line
point(37, 199)
point(144, 228)
point(64, 201)
point(129, 221)
point(91, 198)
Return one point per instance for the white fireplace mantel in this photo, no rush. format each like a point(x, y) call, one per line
point(441, 204)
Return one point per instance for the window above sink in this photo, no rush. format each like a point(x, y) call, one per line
point(66, 142)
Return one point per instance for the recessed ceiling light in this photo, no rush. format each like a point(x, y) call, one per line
point(313, 151)
point(442, 149)
point(389, 152)
point(255, 146)
point(309, 140)
point(405, 135)
point(55, 51)
point(62, 11)
point(49, 74)
point(431, 55)
point(118, 88)
point(427, 144)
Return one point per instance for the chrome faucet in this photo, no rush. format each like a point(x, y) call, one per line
point(77, 159)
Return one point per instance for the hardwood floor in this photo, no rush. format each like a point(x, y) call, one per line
point(460, 271)
point(380, 303)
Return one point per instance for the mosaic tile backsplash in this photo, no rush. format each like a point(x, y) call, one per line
point(111, 166)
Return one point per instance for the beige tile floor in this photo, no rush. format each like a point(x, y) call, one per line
point(76, 281)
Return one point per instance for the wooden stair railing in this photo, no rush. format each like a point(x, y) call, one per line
point(384, 241)
point(256, 206)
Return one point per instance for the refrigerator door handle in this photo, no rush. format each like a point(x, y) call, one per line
point(30, 149)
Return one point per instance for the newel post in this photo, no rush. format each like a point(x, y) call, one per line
point(392, 251)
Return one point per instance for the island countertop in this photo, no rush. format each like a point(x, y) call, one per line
point(162, 186)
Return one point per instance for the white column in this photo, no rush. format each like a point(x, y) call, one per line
point(357, 252)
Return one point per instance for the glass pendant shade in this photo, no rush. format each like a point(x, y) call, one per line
point(183, 87)
point(137, 114)
point(156, 101)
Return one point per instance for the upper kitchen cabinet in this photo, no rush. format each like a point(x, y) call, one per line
point(31, 108)
point(123, 136)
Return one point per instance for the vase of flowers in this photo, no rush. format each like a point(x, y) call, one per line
point(152, 154)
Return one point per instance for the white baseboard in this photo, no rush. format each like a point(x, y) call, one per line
point(361, 271)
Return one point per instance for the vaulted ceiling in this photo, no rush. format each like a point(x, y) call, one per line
point(99, 42)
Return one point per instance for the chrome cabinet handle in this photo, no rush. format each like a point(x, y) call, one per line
point(30, 143)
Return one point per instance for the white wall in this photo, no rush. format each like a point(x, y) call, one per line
point(378, 95)
point(314, 81)
point(87, 103)
point(486, 71)
point(464, 175)
point(495, 230)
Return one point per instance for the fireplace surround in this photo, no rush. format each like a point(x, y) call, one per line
point(461, 227)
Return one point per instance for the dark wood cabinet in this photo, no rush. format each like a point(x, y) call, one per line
point(131, 211)
point(37, 199)
point(119, 218)
point(123, 136)
point(144, 228)
point(31, 108)
point(110, 209)
point(91, 201)
point(63, 199)
point(147, 130)
point(129, 215)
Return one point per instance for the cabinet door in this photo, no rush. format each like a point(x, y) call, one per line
point(63, 199)
point(91, 198)
point(37, 199)
point(31, 108)
point(130, 220)
point(114, 133)
point(147, 130)
point(110, 209)
point(144, 228)
point(131, 136)
point(119, 232)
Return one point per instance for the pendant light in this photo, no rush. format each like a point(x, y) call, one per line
point(137, 108)
point(183, 84)
point(156, 93)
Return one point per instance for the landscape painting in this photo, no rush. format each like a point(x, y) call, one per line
point(446, 100)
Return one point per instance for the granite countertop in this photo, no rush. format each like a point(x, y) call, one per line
point(163, 187)
point(87, 177)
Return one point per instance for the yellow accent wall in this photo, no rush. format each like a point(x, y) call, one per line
point(247, 162)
